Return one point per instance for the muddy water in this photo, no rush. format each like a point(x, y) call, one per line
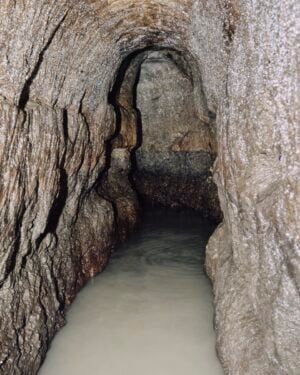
point(150, 312)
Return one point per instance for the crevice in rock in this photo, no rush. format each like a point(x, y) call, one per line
point(25, 93)
point(57, 207)
point(12, 259)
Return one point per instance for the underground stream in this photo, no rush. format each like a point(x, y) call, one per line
point(150, 312)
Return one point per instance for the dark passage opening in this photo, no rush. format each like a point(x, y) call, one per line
point(164, 146)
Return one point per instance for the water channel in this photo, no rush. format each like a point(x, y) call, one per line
point(150, 312)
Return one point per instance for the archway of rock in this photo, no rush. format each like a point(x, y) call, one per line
point(164, 145)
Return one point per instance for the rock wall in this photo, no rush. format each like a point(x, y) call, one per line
point(58, 63)
point(253, 257)
point(177, 147)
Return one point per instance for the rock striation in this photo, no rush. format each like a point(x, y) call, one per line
point(65, 195)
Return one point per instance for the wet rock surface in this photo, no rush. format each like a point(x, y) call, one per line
point(58, 64)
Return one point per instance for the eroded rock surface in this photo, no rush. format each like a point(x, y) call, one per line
point(58, 63)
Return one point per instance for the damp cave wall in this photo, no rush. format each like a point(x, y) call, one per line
point(58, 63)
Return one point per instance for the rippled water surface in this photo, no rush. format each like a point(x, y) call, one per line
point(149, 313)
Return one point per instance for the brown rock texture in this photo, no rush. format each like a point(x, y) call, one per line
point(65, 196)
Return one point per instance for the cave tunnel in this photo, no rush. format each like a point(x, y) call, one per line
point(165, 136)
point(150, 140)
point(158, 177)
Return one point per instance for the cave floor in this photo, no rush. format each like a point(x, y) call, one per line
point(149, 312)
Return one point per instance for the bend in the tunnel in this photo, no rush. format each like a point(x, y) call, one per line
point(164, 145)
